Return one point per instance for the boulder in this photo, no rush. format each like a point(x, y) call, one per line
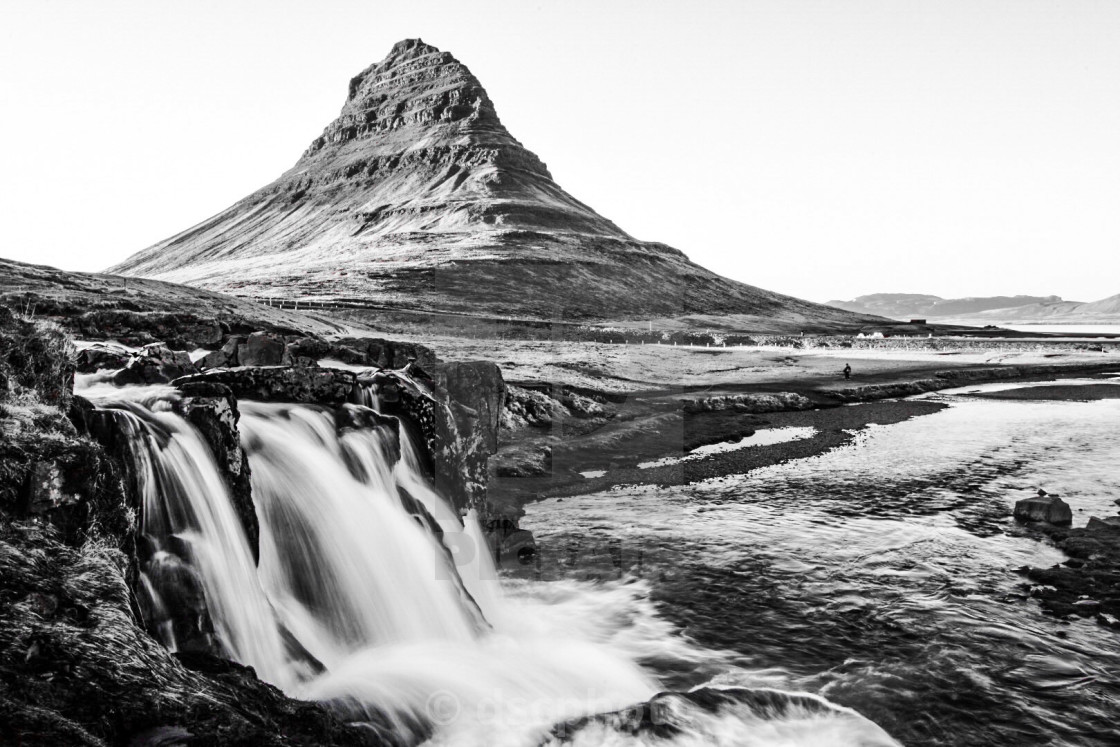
point(1048, 508)
point(263, 349)
point(225, 357)
point(155, 364)
point(102, 356)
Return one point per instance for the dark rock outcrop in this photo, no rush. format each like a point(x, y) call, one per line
point(457, 414)
point(212, 409)
point(324, 386)
point(437, 207)
point(76, 670)
point(49, 472)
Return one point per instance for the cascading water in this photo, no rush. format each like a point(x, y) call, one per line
point(188, 518)
point(372, 594)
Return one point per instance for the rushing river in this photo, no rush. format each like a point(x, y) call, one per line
point(881, 575)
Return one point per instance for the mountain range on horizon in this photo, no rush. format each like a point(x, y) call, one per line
point(985, 309)
point(417, 197)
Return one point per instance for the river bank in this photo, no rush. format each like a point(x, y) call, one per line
point(585, 419)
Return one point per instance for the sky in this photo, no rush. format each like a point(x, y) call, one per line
point(823, 149)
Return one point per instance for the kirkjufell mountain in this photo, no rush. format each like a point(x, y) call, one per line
point(417, 197)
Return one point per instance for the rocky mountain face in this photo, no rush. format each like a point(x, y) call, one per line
point(904, 306)
point(417, 197)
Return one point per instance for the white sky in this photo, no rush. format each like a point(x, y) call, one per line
point(823, 149)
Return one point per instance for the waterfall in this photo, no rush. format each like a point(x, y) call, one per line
point(372, 594)
point(344, 565)
point(188, 518)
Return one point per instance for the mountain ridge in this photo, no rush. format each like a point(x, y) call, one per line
point(984, 309)
point(904, 306)
point(416, 196)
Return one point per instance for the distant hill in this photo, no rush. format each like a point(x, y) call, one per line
point(1105, 311)
point(906, 306)
point(418, 198)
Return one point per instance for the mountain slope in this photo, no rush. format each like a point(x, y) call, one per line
point(417, 197)
point(81, 301)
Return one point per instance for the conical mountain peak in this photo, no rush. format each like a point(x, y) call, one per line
point(417, 196)
point(417, 96)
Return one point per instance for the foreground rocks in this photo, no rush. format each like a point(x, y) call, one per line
point(75, 669)
point(696, 713)
point(1088, 584)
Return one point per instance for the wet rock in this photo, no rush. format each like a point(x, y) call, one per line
point(155, 364)
point(1048, 508)
point(282, 383)
point(173, 603)
point(670, 714)
point(263, 349)
point(459, 417)
point(517, 547)
point(1087, 585)
point(212, 409)
point(224, 357)
point(102, 356)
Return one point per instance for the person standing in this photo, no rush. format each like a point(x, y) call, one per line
point(847, 370)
